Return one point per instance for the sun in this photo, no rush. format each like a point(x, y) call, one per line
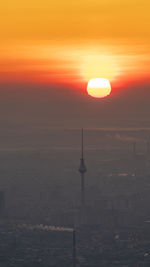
point(99, 87)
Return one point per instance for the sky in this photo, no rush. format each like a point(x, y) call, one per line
point(50, 49)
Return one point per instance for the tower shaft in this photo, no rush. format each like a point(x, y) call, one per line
point(82, 190)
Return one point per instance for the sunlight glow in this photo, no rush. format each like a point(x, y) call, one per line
point(98, 65)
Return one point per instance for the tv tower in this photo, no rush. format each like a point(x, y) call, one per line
point(82, 170)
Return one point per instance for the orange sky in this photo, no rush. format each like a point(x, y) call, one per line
point(69, 42)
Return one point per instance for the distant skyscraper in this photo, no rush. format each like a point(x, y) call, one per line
point(82, 170)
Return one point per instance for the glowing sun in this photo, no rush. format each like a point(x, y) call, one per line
point(99, 87)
